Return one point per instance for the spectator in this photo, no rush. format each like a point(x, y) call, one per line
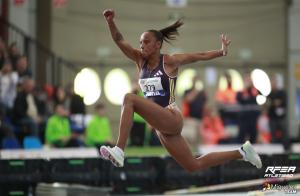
point(56, 95)
point(3, 53)
point(263, 128)
point(25, 110)
point(226, 102)
point(277, 113)
point(77, 110)
point(58, 131)
point(75, 102)
point(22, 68)
point(8, 86)
point(44, 109)
point(98, 130)
point(59, 96)
point(212, 129)
point(42, 101)
point(194, 100)
point(14, 54)
point(49, 89)
point(228, 95)
point(249, 111)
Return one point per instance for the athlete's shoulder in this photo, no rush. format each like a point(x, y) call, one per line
point(168, 59)
point(171, 61)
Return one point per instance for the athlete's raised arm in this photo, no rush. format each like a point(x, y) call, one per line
point(125, 47)
point(186, 58)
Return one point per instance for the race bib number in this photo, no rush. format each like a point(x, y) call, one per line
point(152, 87)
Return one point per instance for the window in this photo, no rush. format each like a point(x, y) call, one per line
point(89, 89)
point(116, 85)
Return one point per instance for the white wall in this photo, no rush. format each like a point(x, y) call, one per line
point(23, 16)
point(254, 25)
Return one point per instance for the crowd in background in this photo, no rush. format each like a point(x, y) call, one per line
point(36, 115)
point(33, 115)
point(236, 117)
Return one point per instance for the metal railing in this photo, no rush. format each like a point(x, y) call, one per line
point(38, 54)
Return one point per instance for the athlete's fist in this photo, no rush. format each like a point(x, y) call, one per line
point(109, 14)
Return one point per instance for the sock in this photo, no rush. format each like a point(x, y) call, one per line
point(242, 152)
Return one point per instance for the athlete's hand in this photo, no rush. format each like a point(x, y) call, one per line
point(109, 14)
point(225, 44)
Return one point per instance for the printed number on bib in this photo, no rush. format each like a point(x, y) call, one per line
point(152, 87)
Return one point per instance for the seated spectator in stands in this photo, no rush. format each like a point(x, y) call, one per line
point(212, 129)
point(14, 54)
point(25, 110)
point(76, 106)
point(98, 130)
point(58, 131)
point(8, 86)
point(3, 53)
point(22, 68)
point(74, 101)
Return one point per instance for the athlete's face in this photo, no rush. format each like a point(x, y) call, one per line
point(149, 44)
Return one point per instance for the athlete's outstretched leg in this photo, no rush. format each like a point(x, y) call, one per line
point(126, 122)
point(178, 148)
point(168, 121)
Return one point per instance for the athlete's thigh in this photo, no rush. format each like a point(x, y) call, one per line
point(178, 149)
point(163, 119)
